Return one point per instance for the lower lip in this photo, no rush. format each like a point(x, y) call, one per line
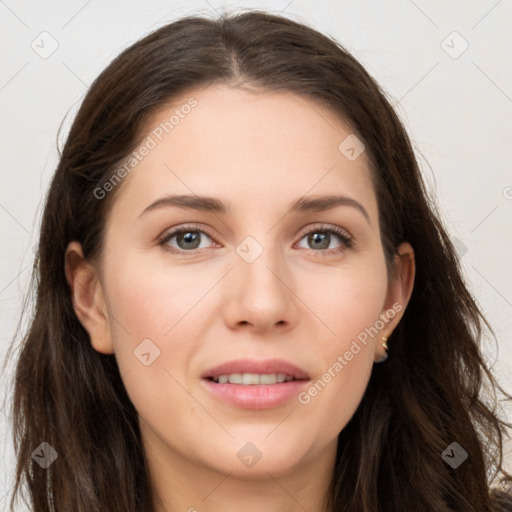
point(259, 396)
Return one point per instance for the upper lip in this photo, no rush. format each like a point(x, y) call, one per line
point(254, 366)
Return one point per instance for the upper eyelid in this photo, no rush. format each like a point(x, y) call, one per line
point(325, 226)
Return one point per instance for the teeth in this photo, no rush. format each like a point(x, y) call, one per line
point(252, 379)
point(271, 378)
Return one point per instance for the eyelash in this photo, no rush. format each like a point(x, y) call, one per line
point(346, 239)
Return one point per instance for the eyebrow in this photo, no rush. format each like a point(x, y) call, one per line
point(213, 205)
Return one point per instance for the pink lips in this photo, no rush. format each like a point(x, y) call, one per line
point(259, 396)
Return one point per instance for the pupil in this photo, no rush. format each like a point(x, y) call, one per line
point(188, 237)
point(323, 239)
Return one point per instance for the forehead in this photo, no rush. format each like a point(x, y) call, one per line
point(244, 147)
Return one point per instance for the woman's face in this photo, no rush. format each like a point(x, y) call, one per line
point(259, 280)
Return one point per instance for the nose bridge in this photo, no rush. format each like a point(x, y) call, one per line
point(261, 282)
point(260, 261)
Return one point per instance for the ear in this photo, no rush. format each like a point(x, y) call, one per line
point(88, 298)
point(399, 292)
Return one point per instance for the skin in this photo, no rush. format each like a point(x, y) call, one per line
point(258, 152)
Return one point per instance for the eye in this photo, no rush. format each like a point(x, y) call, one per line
point(320, 237)
point(188, 239)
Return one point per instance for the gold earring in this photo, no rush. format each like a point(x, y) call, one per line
point(385, 355)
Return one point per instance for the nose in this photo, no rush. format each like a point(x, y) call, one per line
point(260, 296)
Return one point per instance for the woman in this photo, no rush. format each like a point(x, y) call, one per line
point(192, 349)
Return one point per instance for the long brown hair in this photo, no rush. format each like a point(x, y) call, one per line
point(427, 395)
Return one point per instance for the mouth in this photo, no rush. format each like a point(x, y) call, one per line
point(252, 384)
point(252, 379)
point(250, 372)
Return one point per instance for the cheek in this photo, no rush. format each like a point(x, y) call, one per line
point(151, 314)
point(151, 319)
point(349, 304)
point(336, 391)
point(152, 301)
point(348, 300)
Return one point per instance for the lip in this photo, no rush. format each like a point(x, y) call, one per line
point(255, 366)
point(258, 396)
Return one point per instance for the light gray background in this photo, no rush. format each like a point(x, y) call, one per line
point(456, 106)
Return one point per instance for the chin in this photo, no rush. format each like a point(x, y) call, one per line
point(259, 458)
